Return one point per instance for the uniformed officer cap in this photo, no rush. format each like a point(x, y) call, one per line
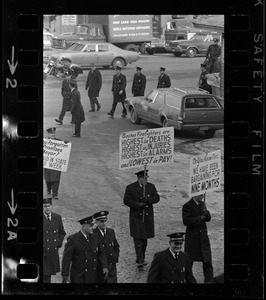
point(47, 200)
point(73, 82)
point(51, 130)
point(177, 237)
point(66, 58)
point(162, 69)
point(88, 220)
point(138, 68)
point(216, 40)
point(101, 215)
point(141, 173)
point(118, 68)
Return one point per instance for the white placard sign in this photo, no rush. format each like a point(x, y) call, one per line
point(146, 147)
point(56, 154)
point(205, 173)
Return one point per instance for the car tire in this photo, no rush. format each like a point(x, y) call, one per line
point(121, 62)
point(209, 133)
point(191, 52)
point(150, 52)
point(134, 117)
point(177, 54)
point(132, 47)
point(165, 122)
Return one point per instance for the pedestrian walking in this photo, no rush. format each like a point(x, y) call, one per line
point(94, 85)
point(107, 237)
point(53, 237)
point(203, 84)
point(52, 177)
point(197, 243)
point(83, 254)
point(66, 93)
point(171, 265)
point(212, 54)
point(163, 80)
point(119, 92)
point(139, 197)
point(139, 83)
point(76, 108)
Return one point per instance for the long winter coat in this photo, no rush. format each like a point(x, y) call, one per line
point(133, 193)
point(94, 83)
point(81, 258)
point(77, 108)
point(165, 269)
point(163, 81)
point(197, 243)
point(112, 250)
point(52, 175)
point(138, 85)
point(119, 84)
point(66, 93)
point(53, 236)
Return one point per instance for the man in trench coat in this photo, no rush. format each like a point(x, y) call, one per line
point(197, 243)
point(94, 85)
point(141, 217)
point(53, 236)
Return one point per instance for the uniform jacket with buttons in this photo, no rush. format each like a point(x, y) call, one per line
point(112, 249)
point(138, 85)
point(81, 258)
point(133, 193)
point(163, 81)
point(119, 84)
point(197, 243)
point(166, 269)
point(53, 236)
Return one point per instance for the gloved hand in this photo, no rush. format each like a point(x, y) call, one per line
point(144, 198)
point(105, 272)
point(65, 279)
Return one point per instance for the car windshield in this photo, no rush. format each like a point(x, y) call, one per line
point(76, 47)
point(151, 96)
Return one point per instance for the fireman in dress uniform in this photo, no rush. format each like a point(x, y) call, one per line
point(139, 83)
point(53, 236)
point(212, 54)
point(107, 237)
point(83, 254)
point(163, 80)
point(171, 265)
point(119, 92)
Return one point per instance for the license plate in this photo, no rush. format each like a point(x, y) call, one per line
point(204, 128)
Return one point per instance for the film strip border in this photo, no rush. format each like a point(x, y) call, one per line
point(22, 159)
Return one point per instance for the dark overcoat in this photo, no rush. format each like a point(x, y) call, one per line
point(52, 175)
point(166, 269)
point(94, 83)
point(133, 193)
point(138, 85)
point(112, 249)
point(81, 258)
point(53, 236)
point(66, 93)
point(77, 108)
point(197, 243)
point(163, 81)
point(203, 84)
point(119, 84)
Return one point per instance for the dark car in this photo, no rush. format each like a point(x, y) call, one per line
point(184, 108)
point(198, 44)
point(159, 45)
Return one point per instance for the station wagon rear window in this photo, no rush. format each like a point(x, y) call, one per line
point(173, 100)
point(197, 103)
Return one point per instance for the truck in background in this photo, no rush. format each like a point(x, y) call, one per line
point(129, 32)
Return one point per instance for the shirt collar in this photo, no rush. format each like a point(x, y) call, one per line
point(85, 235)
point(173, 253)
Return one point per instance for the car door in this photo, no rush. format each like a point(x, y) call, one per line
point(86, 57)
point(155, 108)
point(143, 106)
point(105, 55)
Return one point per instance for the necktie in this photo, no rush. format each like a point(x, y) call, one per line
point(48, 217)
point(176, 256)
point(104, 233)
point(88, 237)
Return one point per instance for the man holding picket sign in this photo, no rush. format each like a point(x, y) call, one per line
point(140, 197)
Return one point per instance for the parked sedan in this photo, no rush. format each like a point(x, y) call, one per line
point(157, 45)
point(198, 44)
point(184, 108)
point(100, 54)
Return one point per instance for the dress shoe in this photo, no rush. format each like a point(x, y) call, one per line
point(123, 116)
point(91, 110)
point(74, 135)
point(59, 121)
point(111, 115)
point(55, 197)
point(140, 265)
point(98, 108)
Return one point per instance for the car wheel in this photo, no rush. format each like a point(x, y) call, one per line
point(165, 123)
point(191, 52)
point(134, 117)
point(177, 54)
point(150, 52)
point(209, 133)
point(132, 47)
point(120, 62)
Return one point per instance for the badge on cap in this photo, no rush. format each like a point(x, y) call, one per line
point(177, 236)
point(88, 220)
point(101, 215)
point(141, 173)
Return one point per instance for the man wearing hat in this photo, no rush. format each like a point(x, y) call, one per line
point(107, 237)
point(197, 243)
point(163, 80)
point(119, 92)
point(212, 54)
point(76, 108)
point(139, 83)
point(140, 197)
point(171, 265)
point(203, 84)
point(94, 84)
point(83, 254)
point(66, 93)
point(53, 236)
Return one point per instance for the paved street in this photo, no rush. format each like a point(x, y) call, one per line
point(94, 182)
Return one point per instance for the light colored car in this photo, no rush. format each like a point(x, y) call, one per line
point(184, 108)
point(47, 40)
point(97, 53)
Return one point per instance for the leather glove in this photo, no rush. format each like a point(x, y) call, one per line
point(65, 279)
point(144, 198)
point(105, 272)
point(142, 204)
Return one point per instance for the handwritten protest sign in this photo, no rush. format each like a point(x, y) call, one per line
point(146, 147)
point(56, 154)
point(205, 173)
